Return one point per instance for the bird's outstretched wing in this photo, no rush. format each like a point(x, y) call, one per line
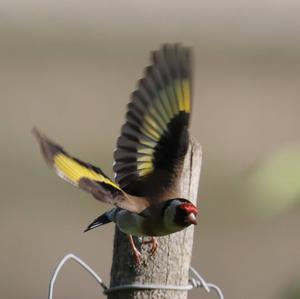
point(154, 138)
point(85, 176)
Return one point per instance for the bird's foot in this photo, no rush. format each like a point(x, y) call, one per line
point(137, 256)
point(136, 253)
point(154, 244)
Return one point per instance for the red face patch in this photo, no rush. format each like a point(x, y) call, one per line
point(189, 208)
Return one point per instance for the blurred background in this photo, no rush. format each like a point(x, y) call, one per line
point(68, 67)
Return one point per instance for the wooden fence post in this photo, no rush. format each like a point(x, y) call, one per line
point(170, 264)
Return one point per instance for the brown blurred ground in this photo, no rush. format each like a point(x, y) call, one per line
point(69, 69)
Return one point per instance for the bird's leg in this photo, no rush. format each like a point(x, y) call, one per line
point(136, 253)
point(154, 244)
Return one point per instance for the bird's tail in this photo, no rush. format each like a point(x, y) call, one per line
point(105, 218)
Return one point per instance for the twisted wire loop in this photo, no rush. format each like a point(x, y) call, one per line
point(196, 281)
point(72, 256)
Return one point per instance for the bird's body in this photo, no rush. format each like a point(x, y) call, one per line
point(149, 154)
point(153, 221)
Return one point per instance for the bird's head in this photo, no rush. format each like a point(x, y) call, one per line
point(186, 213)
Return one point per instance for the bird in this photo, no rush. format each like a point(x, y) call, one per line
point(148, 158)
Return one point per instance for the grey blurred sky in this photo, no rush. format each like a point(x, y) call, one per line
point(232, 23)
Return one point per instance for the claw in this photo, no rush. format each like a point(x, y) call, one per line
point(154, 244)
point(137, 257)
point(136, 252)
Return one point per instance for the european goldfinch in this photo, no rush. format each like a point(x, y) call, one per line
point(149, 154)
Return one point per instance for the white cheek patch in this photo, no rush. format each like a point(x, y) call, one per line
point(169, 218)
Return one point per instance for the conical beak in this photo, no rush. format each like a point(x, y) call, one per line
point(192, 218)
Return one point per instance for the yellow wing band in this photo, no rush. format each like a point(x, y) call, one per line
point(186, 95)
point(182, 94)
point(73, 171)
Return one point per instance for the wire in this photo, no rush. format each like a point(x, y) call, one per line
point(196, 281)
point(67, 257)
point(206, 285)
point(136, 286)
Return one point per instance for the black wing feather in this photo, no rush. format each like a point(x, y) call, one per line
point(154, 138)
